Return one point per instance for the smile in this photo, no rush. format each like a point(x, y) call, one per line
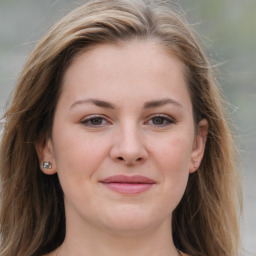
point(128, 184)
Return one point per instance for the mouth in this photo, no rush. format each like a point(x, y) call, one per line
point(128, 184)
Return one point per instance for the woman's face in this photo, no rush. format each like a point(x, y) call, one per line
point(123, 141)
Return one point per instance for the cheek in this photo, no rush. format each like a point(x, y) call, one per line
point(77, 154)
point(173, 154)
point(78, 158)
point(172, 158)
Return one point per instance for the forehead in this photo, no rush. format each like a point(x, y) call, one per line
point(130, 53)
point(134, 67)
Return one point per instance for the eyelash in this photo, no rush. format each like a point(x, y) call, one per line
point(88, 121)
point(164, 118)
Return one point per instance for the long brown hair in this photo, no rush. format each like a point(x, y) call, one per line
point(32, 209)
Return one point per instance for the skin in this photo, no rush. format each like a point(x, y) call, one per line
point(136, 135)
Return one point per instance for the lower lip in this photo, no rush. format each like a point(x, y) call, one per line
point(128, 188)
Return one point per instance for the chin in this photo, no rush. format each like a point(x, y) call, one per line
point(130, 220)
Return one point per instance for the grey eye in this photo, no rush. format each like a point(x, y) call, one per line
point(96, 121)
point(158, 120)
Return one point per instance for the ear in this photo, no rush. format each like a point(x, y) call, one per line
point(45, 153)
point(198, 146)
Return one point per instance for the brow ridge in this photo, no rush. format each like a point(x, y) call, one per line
point(161, 102)
point(97, 102)
point(148, 104)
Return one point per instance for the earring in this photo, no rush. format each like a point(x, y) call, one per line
point(195, 163)
point(47, 165)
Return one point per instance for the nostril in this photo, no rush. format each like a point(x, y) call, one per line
point(129, 161)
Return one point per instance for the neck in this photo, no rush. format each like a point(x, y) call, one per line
point(152, 241)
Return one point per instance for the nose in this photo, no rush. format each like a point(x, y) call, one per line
point(128, 147)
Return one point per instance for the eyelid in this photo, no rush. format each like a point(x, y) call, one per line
point(167, 118)
point(171, 120)
point(93, 116)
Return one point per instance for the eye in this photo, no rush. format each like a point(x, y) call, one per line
point(160, 121)
point(95, 121)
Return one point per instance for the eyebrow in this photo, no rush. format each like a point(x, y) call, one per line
point(96, 102)
point(148, 104)
point(161, 102)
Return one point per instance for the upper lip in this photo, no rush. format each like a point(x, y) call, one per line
point(128, 179)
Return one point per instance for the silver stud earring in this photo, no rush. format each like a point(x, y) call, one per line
point(47, 165)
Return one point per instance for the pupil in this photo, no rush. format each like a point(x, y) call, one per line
point(96, 121)
point(158, 120)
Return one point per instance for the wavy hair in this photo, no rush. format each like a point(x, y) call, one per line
point(32, 217)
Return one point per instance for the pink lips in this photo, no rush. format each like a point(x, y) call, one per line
point(128, 184)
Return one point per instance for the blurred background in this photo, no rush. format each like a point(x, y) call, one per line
point(228, 29)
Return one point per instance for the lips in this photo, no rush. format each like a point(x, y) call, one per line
point(128, 184)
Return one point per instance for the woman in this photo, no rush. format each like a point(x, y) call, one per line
point(116, 141)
